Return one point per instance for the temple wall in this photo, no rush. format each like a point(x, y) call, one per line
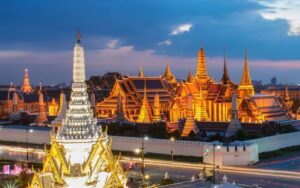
point(159, 146)
point(276, 142)
point(41, 135)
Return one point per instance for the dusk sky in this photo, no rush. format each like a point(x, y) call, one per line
point(123, 35)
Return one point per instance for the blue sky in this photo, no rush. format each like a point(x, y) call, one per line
point(121, 35)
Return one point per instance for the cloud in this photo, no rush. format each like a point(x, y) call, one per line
point(165, 42)
point(283, 9)
point(181, 29)
point(113, 43)
point(8, 54)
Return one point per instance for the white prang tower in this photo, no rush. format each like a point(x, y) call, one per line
point(79, 125)
point(80, 154)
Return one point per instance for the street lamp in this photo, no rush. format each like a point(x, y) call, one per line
point(218, 147)
point(172, 139)
point(28, 131)
point(142, 151)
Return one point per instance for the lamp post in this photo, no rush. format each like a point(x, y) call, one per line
point(142, 151)
point(28, 131)
point(172, 139)
point(218, 147)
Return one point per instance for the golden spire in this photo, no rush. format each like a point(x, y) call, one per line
point(168, 72)
point(168, 75)
point(201, 69)
point(225, 78)
point(190, 77)
point(141, 74)
point(26, 87)
point(145, 115)
point(246, 80)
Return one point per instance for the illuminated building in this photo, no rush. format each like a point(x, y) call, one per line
point(11, 101)
point(212, 100)
point(26, 87)
point(80, 154)
point(132, 89)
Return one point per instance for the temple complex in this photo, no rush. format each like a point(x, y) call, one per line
point(80, 154)
point(212, 100)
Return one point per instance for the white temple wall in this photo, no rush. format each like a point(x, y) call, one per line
point(161, 146)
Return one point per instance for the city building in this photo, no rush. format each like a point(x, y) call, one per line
point(80, 154)
point(11, 100)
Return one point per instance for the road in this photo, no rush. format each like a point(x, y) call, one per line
point(179, 171)
point(183, 171)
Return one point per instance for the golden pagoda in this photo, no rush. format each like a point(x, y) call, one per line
point(80, 154)
point(201, 74)
point(26, 87)
point(145, 115)
point(53, 108)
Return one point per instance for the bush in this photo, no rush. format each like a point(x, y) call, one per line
point(166, 181)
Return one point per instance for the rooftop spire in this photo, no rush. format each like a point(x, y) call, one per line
point(145, 115)
point(201, 69)
point(246, 80)
point(190, 77)
point(225, 78)
point(78, 36)
point(168, 72)
point(168, 75)
point(141, 74)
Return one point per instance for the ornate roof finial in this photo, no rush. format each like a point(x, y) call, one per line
point(225, 77)
point(141, 74)
point(246, 80)
point(190, 77)
point(78, 36)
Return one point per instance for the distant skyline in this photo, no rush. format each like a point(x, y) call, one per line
point(125, 35)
